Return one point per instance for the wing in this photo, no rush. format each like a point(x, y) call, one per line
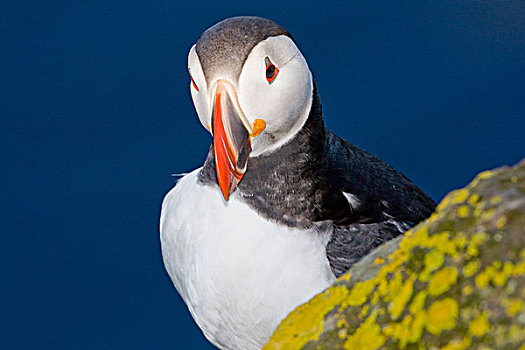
point(368, 201)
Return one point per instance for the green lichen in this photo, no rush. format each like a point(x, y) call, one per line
point(456, 281)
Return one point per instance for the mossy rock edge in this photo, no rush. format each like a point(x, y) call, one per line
point(455, 281)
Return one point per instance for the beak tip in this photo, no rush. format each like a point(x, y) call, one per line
point(225, 195)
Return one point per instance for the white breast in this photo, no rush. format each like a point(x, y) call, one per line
point(239, 274)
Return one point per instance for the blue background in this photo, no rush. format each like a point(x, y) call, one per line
point(96, 116)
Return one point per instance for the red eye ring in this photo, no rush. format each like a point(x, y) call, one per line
point(271, 70)
point(193, 83)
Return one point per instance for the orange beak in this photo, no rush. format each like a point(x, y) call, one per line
point(231, 138)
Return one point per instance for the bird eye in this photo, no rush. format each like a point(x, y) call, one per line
point(271, 70)
point(193, 83)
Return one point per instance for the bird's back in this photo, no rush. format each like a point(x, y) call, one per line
point(382, 190)
point(368, 201)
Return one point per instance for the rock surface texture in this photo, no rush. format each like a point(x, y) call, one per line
point(455, 281)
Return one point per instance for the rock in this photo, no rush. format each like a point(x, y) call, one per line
point(455, 281)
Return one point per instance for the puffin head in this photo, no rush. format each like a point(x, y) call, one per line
point(252, 90)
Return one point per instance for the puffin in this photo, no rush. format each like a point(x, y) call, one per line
point(281, 206)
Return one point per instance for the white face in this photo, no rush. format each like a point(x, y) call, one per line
point(282, 99)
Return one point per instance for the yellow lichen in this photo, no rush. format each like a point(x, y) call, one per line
point(433, 261)
point(341, 321)
point(500, 278)
point(393, 287)
point(482, 176)
point(478, 210)
point(418, 326)
point(375, 297)
point(467, 290)
point(399, 330)
point(487, 174)
point(479, 237)
point(463, 211)
point(501, 222)
point(458, 196)
point(367, 337)
point(409, 330)
point(473, 199)
point(512, 306)
point(519, 269)
point(460, 240)
point(483, 278)
point(442, 315)
point(479, 326)
point(445, 202)
point(418, 303)
point(443, 243)
point(496, 200)
point(365, 310)
point(360, 293)
point(345, 277)
point(487, 214)
point(458, 344)
point(397, 305)
point(307, 321)
point(471, 268)
point(442, 280)
point(475, 241)
point(379, 261)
